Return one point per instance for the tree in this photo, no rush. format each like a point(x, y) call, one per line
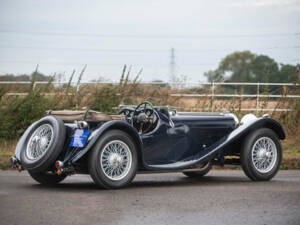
point(249, 67)
point(25, 77)
point(237, 66)
point(159, 83)
point(287, 73)
point(214, 75)
point(11, 77)
point(264, 69)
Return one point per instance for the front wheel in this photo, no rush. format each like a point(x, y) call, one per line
point(261, 155)
point(113, 160)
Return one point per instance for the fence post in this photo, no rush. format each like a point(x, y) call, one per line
point(77, 89)
point(34, 84)
point(76, 94)
point(212, 96)
point(257, 98)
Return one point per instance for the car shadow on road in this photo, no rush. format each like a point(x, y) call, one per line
point(185, 181)
point(173, 182)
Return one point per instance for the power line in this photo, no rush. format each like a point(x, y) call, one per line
point(33, 62)
point(139, 50)
point(175, 36)
point(85, 49)
point(98, 64)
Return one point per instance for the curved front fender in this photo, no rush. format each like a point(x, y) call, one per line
point(235, 135)
point(267, 123)
point(96, 134)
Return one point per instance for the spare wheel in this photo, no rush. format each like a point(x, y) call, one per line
point(43, 144)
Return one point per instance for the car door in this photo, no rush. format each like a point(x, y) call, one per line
point(199, 134)
point(157, 145)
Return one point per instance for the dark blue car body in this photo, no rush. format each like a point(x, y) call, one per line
point(179, 141)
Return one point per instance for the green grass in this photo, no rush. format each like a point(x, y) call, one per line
point(291, 153)
point(7, 148)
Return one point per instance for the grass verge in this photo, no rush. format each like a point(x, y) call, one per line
point(7, 149)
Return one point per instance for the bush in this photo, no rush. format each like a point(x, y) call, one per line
point(19, 112)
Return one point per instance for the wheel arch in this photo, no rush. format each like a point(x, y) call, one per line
point(133, 134)
point(276, 127)
point(113, 125)
point(267, 123)
point(249, 128)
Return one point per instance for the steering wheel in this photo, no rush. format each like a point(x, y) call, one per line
point(143, 115)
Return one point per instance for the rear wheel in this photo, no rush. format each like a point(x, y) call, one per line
point(261, 155)
point(113, 160)
point(47, 178)
point(201, 172)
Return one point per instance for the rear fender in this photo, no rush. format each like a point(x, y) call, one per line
point(96, 134)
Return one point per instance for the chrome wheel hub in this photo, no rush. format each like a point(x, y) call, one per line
point(39, 142)
point(264, 154)
point(116, 160)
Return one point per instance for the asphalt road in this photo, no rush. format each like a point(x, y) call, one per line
point(223, 197)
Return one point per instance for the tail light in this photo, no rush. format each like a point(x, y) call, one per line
point(59, 164)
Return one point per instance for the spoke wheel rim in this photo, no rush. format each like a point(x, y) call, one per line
point(116, 160)
point(264, 154)
point(39, 142)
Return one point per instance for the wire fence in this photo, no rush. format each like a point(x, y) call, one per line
point(255, 96)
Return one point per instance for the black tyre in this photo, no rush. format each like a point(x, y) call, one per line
point(200, 173)
point(261, 154)
point(47, 178)
point(113, 160)
point(43, 144)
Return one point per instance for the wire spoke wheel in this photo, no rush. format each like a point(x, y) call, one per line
point(264, 154)
point(116, 160)
point(39, 142)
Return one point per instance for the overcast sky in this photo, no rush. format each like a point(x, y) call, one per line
point(64, 35)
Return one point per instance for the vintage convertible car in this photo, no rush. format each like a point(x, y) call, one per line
point(146, 138)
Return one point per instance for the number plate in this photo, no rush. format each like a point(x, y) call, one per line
point(80, 138)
